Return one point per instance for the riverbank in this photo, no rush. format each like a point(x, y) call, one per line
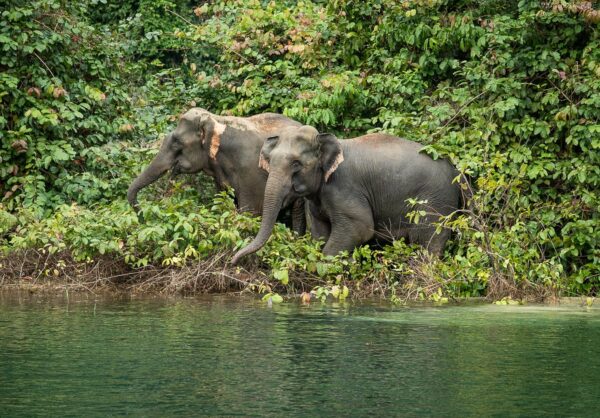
point(184, 246)
point(35, 269)
point(38, 270)
point(62, 291)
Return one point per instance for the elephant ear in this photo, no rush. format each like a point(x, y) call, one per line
point(210, 131)
point(265, 152)
point(331, 154)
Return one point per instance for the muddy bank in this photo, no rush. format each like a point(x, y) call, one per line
point(36, 271)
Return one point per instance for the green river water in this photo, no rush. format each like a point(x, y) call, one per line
point(233, 356)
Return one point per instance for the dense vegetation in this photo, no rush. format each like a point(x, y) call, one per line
point(508, 91)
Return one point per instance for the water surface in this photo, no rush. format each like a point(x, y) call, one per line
point(235, 356)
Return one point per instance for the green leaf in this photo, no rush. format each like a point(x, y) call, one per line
point(282, 276)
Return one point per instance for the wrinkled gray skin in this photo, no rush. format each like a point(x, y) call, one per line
point(226, 148)
point(356, 189)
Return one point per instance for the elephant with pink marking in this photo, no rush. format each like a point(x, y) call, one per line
point(227, 148)
point(356, 189)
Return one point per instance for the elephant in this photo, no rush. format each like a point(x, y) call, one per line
point(226, 148)
point(357, 189)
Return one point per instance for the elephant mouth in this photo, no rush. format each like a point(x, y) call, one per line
point(299, 190)
point(175, 170)
point(289, 198)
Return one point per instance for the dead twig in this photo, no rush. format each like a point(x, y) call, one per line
point(44, 63)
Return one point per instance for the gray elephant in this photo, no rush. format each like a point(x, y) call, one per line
point(224, 147)
point(357, 189)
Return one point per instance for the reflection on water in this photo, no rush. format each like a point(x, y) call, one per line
point(232, 356)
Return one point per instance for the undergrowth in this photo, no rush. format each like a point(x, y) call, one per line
point(185, 246)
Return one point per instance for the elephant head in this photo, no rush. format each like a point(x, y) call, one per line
point(187, 149)
point(298, 161)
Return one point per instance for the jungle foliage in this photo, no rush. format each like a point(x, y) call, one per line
point(508, 91)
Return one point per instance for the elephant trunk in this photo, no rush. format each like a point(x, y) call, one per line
point(274, 195)
point(157, 168)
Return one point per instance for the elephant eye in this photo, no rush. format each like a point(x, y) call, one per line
point(296, 165)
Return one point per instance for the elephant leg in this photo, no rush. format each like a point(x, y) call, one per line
point(349, 232)
point(427, 237)
point(437, 242)
point(247, 203)
point(299, 216)
point(320, 229)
